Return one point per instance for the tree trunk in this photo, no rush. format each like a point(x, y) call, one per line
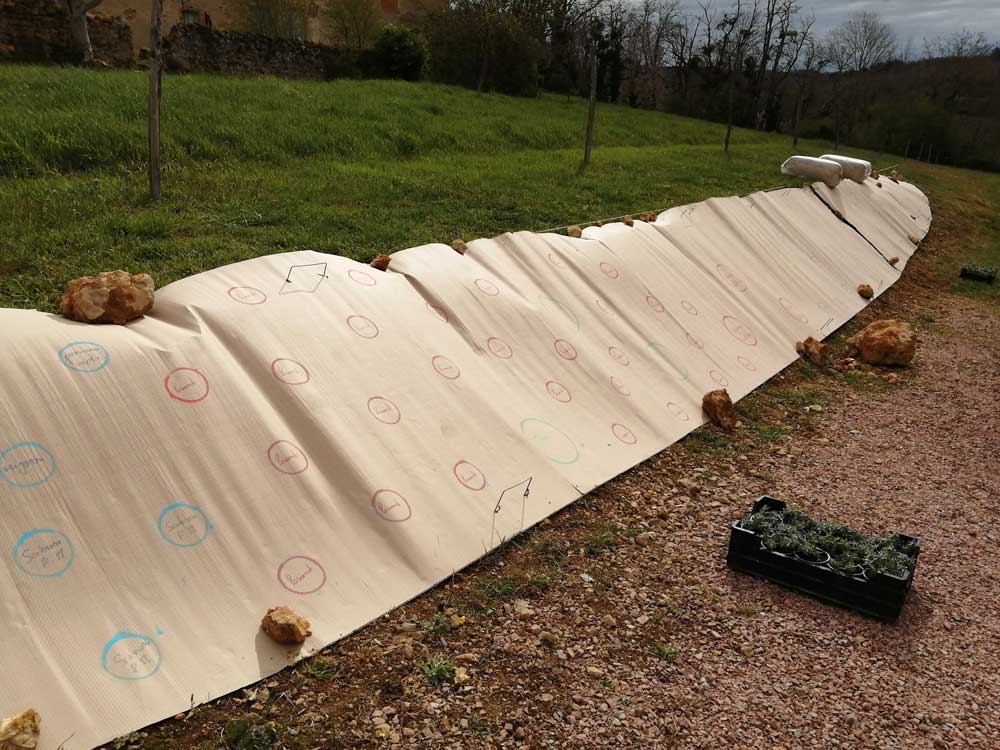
point(78, 30)
point(729, 113)
point(591, 110)
point(798, 118)
point(155, 88)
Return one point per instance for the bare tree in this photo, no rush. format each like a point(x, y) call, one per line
point(812, 62)
point(964, 43)
point(863, 41)
point(78, 10)
point(681, 42)
point(357, 22)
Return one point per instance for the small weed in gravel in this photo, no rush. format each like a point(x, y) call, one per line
point(665, 651)
point(439, 670)
point(242, 734)
point(438, 625)
point(550, 548)
point(318, 668)
point(770, 433)
point(601, 541)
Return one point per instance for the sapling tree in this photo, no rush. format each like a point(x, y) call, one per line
point(78, 10)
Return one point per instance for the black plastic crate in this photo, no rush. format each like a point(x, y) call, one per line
point(879, 595)
point(978, 273)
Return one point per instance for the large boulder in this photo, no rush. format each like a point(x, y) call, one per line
point(885, 342)
point(110, 297)
point(720, 409)
point(20, 732)
point(285, 626)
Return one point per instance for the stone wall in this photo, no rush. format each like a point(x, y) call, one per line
point(196, 48)
point(38, 30)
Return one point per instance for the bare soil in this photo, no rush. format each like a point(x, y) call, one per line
point(617, 623)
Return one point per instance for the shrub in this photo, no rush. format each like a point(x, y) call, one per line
point(399, 52)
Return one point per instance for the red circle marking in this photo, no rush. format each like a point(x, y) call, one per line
point(384, 410)
point(361, 277)
point(791, 310)
point(746, 363)
point(558, 391)
point(362, 326)
point(301, 575)
point(247, 295)
point(609, 270)
point(500, 348)
point(620, 386)
point(655, 304)
point(689, 308)
point(718, 377)
point(439, 312)
point(740, 330)
point(469, 475)
point(694, 340)
point(565, 349)
point(618, 356)
point(391, 506)
point(445, 367)
point(289, 371)
point(556, 260)
point(729, 275)
point(487, 287)
point(677, 411)
point(186, 384)
point(624, 434)
point(287, 457)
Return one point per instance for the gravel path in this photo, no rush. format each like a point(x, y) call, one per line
point(617, 623)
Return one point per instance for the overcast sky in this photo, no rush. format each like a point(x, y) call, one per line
point(914, 19)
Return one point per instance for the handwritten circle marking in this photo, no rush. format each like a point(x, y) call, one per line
point(289, 371)
point(618, 356)
point(554, 444)
point(287, 457)
point(384, 410)
point(500, 348)
point(445, 367)
point(558, 391)
point(84, 356)
point(739, 330)
point(565, 350)
point(361, 277)
point(689, 308)
point(654, 304)
point(44, 553)
point(746, 363)
point(301, 575)
point(27, 464)
point(620, 386)
point(186, 384)
point(719, 377)
point(362, 326)
point(795, 313)
point(183, 525)
point(678, 412)
point(729, 275)
point(130, 656)
point(487, 287)
point(609, 270)
point(248, 295)
point(624, 434)
point(469, 475)
point(391, 506)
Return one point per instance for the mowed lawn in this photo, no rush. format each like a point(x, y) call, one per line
point(257, 166)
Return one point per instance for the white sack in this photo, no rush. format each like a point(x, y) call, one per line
point(812, 169)
point(857, 170)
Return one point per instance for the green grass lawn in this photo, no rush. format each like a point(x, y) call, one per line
point(256, 166)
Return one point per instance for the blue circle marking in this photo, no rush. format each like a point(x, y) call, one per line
point(84, 356)
point(131, 656)
point(183, 525)
point(44, 553)
point(26, 464)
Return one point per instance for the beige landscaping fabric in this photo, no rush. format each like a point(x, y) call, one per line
point(301, 429)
